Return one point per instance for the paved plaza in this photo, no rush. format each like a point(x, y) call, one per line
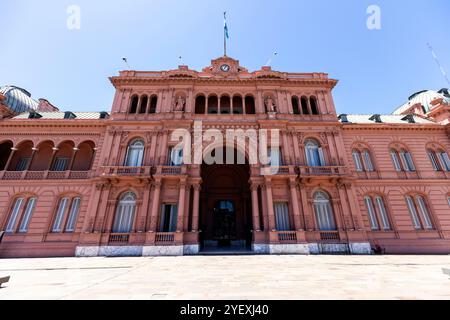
point(229, 277)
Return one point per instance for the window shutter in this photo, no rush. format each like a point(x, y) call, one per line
point(372, 214)
point(60, 215)
point(73, 215)
point(445, 160)
point(396, 161)
point(413, 212)
point(425, 213)
point(383, 213)
point(357, 160)
point(433, 160)
point(282, 217)
point(368, 161)
point(321, 157)
point(27, 215)
point(410, 162)
point(14, 214)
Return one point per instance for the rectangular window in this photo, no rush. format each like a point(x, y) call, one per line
point(71, 223)
point(59, 218)
point(23, 163)
point(274, 156)
point(383, 213)
point(176, 157)
point(282, 216)
point(413, 212)
point(408, 161)
point(357, 160)
point(425, 214)
point(434, 161)
point(60, 164)
point(169, 218)
point(27, 215)
point(14, 215)
point(445, 160)
point(368, 161)
point(372, 214)
point(396, 161)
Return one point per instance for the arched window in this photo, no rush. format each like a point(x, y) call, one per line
point(402, 160)
point(250, 105)
point(21, 214)
point(363, 160)
point(135, 154)
point(420, 214)
point(125, 212)
point(304, 102)
point(134, 104)
point(66, 215)
point(439, 159)
point(295, 106)
point(314, 154)
point(324, 212)
point(143, 106)
point(213, 104)
point(313, 104)
point(225, 104)
point(5, 152)
point(200, 104)
point(153, 104)
point(238, 105)
point(378, 216)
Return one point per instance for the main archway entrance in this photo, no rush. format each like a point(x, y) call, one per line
point(225, 207)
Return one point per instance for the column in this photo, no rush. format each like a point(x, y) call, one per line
point(195, 208)
point(294, 139)
point(295, 206)
point(181, 206)
point(155, 205)
point(206, 104)
point(255, 208)
point(308, 219)
point(270, 211)
point(31, 158)
point(72, 161)
point(286, 149)
point(243, 106)
point(143, 215)
point(55, 150)
point(187, 207)
point(11, 155)
point(163, 147)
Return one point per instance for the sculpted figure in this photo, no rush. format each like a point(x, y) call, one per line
point(179, 105)
point(270, 105)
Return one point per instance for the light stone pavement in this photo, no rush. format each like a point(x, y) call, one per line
point(229, 277)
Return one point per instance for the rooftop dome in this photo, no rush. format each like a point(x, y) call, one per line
point(17, 99)
point(424, 97)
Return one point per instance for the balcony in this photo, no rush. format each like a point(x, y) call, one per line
point(45, 175)
point(170, 170)
point(333, 171)
point(125, 171)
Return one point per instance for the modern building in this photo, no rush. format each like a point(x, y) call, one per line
point(113, 184)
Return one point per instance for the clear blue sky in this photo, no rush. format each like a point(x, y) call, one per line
point(377, 70)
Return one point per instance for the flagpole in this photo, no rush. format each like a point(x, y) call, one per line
point(225, 35)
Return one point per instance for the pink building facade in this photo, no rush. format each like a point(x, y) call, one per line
point(115, 184)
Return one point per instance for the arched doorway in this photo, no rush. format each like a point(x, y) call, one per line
point(225, 206)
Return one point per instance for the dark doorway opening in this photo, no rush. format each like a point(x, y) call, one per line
point(225, 207)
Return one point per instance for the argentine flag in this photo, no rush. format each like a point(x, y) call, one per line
point(225, 25)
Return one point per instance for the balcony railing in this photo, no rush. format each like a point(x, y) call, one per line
point(287, 237)
point(125, 171)
point(118, 238)
point(323, 171)
point(170, 170)
point(44, 175)
point(329, 235)
point(162, 238)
